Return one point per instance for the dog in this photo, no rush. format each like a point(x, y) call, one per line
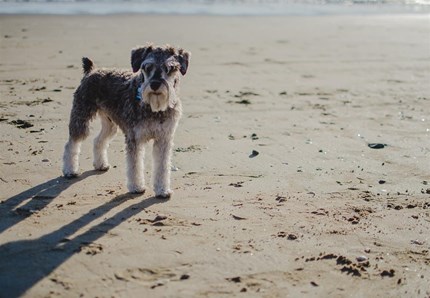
point(144, 103)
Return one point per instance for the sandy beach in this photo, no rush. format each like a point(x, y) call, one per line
point(277, 189)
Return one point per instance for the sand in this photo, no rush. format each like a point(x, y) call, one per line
point(276, 190)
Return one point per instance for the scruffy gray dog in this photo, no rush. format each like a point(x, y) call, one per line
point(143, 103)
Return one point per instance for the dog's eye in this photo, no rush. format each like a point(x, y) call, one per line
point(168, 69)
point(171, 69)
point(148, 67)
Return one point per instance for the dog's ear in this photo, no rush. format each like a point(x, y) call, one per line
point(138, 55)
point(183, 58)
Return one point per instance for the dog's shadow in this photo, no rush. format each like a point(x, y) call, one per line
point(35, 199)
point(23, 263)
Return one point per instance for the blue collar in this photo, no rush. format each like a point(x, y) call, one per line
point(139, 93)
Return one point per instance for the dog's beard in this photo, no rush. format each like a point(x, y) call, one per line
point(158, 100)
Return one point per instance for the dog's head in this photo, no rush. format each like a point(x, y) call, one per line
point(160, 69)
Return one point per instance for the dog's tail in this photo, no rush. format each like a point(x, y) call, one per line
point(87, 65)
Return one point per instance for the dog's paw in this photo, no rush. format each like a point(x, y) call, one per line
point(136, 189)
point(164, 194)
point(70, 175)
point(101, 165)
point(102, 168)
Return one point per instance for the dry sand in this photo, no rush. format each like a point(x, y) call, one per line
point(307, 93)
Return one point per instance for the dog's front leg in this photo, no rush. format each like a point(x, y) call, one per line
point(161, 158)
point(135, 165)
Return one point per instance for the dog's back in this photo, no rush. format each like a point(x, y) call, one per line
point(102, 86)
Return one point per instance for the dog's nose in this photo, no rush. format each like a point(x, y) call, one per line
point(155, 85)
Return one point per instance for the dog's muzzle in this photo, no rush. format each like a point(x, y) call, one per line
point(157, 95)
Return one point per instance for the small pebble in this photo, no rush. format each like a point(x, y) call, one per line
point(417, 242)
point(377, 145)
point(236, 279)
point(254, 153)
point(159, 218)
point(292, 237)
point(362, 259)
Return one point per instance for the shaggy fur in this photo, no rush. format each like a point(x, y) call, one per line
point(144, 104)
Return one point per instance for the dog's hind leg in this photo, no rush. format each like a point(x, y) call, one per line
point(101, 143)
point(79, 130)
